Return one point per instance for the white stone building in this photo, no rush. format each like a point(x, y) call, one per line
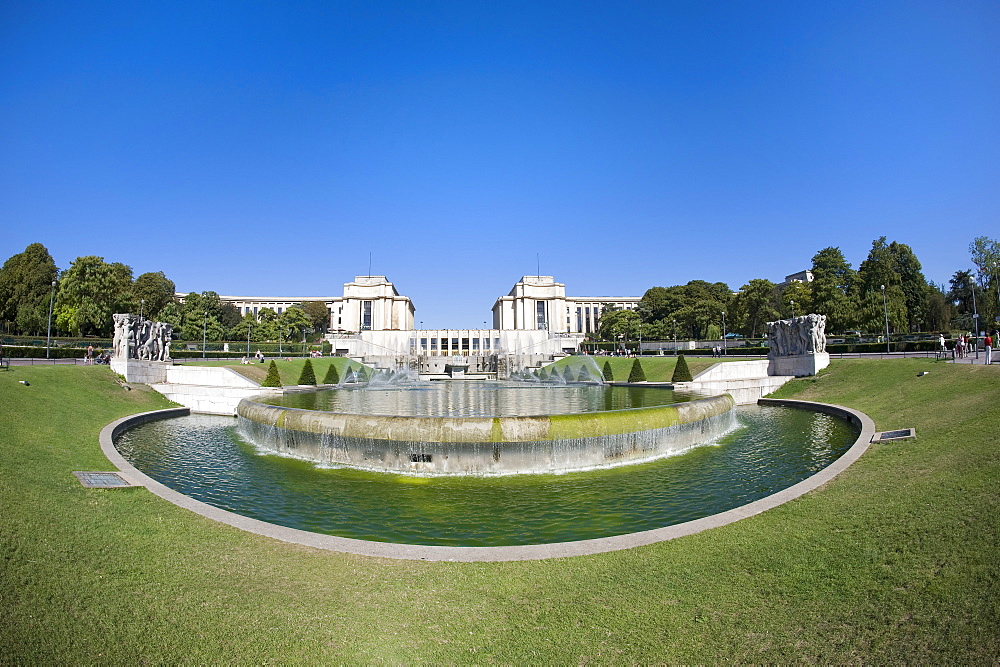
point(539, 302)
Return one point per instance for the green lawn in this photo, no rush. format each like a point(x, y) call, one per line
point(289, 368)
point(657, 369)
point(894, 561)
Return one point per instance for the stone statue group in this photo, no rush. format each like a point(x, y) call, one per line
point(139, 338)
point(804, 334)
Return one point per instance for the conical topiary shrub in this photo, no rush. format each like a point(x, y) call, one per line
point(307, 376)
point(332, 376)
point(583, 375)
point(542, 374)
point(608, 375)
point(636, 374)
point(568, 374)
point(681, 371)
point(362, 374)
point(272, 379)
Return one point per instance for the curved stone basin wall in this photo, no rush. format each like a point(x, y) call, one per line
point(486, 445)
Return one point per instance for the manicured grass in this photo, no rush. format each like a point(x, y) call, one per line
point(657, 368)
point(289, 368)
point(894, 561)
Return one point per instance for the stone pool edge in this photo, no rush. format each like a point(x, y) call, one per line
point(492, 554)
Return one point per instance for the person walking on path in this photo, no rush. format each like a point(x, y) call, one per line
point(988, 344)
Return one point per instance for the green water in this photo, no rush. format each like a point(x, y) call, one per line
point(201, 456)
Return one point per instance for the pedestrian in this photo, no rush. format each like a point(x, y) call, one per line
point(90, 355)
point(988, 344)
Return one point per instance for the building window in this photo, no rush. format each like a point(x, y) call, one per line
point(541, 319)
point(465, 345)
point(454, 345)
point(475, 345)
point(486, 343)
point(366, 315)
point(579, 319)
point(423, 344)
point(279, 311)
point(255, 312)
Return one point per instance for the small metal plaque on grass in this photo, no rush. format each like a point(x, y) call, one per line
point(102, 480)
point(899, 434)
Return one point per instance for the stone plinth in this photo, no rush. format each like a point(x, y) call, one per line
point(144, 372)
point(798, 365)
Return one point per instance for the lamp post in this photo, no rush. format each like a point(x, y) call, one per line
point(204, 334)
point(792, 301)
point(975, 318)
point(48, 336)
point(885, 309)
point(248, 339)
point(675, 336)
point(142, 302)
point(723, 333)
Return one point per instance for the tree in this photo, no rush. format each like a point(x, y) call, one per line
point(891, 266)
point(636, 374)
point(829, 264)
point(156, 290)
point(986, 256)
point(939, 311)
point(293, 322)
point(308, 375)
point(90, 292)
point(332, 376)
point(754, 306)
point(618, 323)
point(25, 288)
point(272, 379)
point(681, 371)
point(319, 317)
point(609, 376)
point(799, 294)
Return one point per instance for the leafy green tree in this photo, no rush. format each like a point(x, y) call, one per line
point(609, 376)
point(293, 322)
point(939, 311)
point(962, 285)
point(153, 291)
point(272, 379)
point(681, 371)
point(308, 375)
point(754, 306)
point(618, 323)
point(568, 374)
point(798, 293)
point(583, 375)
point(986, 256)
point(636, 374)
point(90, 292)
point(319, 317)
point(332, 376)
point(25, 288)
point(239, 332)
point(895, 267)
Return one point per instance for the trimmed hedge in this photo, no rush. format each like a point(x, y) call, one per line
point(636, 374)
point(272, 379)
point(21, 352)
point(308, 375)
point(609, 375)
point(332, 376)
point(681, 371)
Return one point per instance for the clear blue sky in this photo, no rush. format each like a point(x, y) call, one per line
point(265, 148)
